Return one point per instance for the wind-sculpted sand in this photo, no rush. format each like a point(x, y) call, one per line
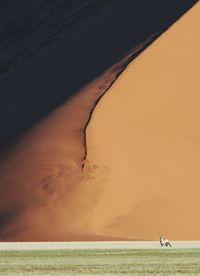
point(144, 142)
point(42, 194)
point(119, 167)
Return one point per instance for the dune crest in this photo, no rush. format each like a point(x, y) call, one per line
point(85, 171)
point(144, 135)
point(42, 196)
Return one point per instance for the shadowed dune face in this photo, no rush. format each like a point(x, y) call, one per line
point(42, 195)
point(51, 49)
point(51, 191)
point(38, 176)
point(144, 142)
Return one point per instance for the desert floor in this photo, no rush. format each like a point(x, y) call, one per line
point(101, 259)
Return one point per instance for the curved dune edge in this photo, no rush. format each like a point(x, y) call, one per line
point(144, 143)
point(41, 176)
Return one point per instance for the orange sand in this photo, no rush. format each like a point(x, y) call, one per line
point(144, 142)
point(41, 176)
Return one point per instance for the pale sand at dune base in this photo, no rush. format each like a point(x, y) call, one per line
point(144, 142)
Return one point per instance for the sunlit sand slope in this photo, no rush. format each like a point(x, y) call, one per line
point(57, 185)
point(144, 142)
point(41, 176)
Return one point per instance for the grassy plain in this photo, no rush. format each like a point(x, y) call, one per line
point(101, 262)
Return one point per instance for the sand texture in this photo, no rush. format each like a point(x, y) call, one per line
point(144, 142)
point(119, 159)
point(41, 175)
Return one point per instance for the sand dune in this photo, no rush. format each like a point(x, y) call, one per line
point(139, 152)
point(51, 49)
point(144, 142)
point(41, 177)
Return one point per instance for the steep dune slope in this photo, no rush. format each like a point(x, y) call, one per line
point(54, 183)
point(41, 176)
point(145, 135)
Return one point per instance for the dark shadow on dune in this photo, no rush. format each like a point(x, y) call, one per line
point(6, 217)
point(50, 49)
